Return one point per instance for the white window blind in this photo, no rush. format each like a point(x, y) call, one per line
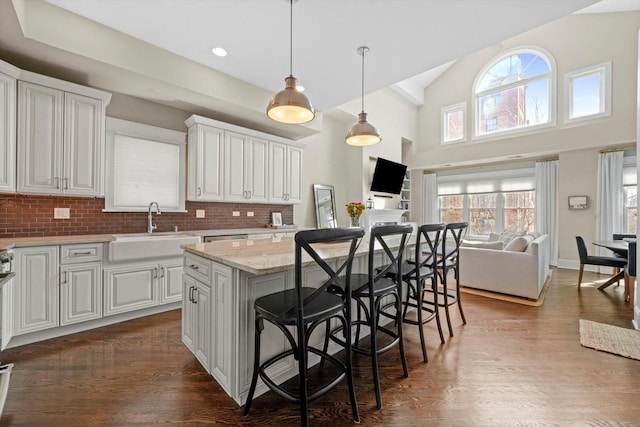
point(144, 164)
point(144, 172)
point(523, 179)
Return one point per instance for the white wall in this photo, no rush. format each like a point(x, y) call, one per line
point(396, 119)
point(576, 42)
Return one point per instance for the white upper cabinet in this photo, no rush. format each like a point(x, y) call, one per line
point(8, 82)
point(60, 137)
point(285, 162)
point(206, 171)
point(246, 168)
point(232, 164)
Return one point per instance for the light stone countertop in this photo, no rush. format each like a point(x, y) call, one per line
point(266, 256)
point(19, 242)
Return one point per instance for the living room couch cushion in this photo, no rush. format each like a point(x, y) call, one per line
point(514, 273)
point(519, 244)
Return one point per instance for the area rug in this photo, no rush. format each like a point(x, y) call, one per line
point(510, 298)
point(609, 338)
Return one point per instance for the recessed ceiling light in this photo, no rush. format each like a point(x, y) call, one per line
point(218, 51)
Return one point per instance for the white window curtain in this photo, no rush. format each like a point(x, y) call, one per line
point(431, 209)
point(547, 204)
point(610, 196)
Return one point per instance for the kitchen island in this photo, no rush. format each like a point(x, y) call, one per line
point(221, 281)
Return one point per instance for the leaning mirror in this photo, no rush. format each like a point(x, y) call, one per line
point(325, 206)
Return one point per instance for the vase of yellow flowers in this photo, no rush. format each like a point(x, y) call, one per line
point(354, 210)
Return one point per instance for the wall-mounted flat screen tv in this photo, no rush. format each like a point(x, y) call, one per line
point(388, 176)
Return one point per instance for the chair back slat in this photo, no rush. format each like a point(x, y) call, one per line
point(383, 235)
point(430, 235)
point(305, 241)
point(457, 230)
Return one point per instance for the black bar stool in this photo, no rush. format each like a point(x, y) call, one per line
point(449, 260)
point(415, 274)
point(305, 308)
point(369, 291)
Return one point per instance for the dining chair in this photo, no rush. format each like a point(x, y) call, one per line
point(370, 293)
point(630, 274)
point(304, 308)
point(586, 259)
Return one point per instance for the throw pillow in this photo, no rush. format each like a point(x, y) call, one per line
point(506, 236)
point(519, 244)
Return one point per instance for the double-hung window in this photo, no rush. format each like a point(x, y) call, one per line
point(630, 186)
point(490, 202)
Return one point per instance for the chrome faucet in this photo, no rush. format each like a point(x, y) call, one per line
point(151, 226)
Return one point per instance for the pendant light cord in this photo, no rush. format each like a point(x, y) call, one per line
point(363, 51)
point(291, 37)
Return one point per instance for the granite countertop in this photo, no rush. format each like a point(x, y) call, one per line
point(266, 256)
point(18, 242)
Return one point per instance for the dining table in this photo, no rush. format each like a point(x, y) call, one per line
point(620, 248)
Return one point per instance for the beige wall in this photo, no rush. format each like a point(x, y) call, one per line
point(577, 177)
point(576, 42)
point(396, 119)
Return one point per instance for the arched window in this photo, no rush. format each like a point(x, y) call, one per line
point(515, 91)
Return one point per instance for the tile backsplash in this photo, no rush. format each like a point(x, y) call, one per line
point(29, 216)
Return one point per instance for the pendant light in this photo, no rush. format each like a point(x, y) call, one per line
point(363, 133)
point(290, 105)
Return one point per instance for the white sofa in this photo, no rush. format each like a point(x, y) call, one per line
point(520, 273)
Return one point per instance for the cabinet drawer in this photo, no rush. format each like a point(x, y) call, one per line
point(86, 252)
point(197, 268)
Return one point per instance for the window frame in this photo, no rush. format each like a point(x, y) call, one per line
point(604, 69)
point(444, 112)
point(117, 127)
point(500, 210)
point(476, 95)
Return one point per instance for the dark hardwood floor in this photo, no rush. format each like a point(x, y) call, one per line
point(511, 365)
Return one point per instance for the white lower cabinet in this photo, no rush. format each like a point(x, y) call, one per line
point(56, 290)
point(7, 313)
point(71, 285)
point(223, 336)
point(207, 307)
point(196, 319)
point(80, 292)
point(171, 282)
point(36, 292)
point(129, 287)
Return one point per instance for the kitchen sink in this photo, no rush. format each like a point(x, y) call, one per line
point(131, 247)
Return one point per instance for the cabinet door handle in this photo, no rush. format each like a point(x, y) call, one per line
point(162, 272)
point(56, 182)
point(195, 293)
point(65, 182)
point(63, 279)
point(81, 253)
point(250, 194)
point(195, 267)
point(190, 291)
point(199, 192)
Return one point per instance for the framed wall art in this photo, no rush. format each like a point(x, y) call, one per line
point(578, 202)
point(276, 218)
